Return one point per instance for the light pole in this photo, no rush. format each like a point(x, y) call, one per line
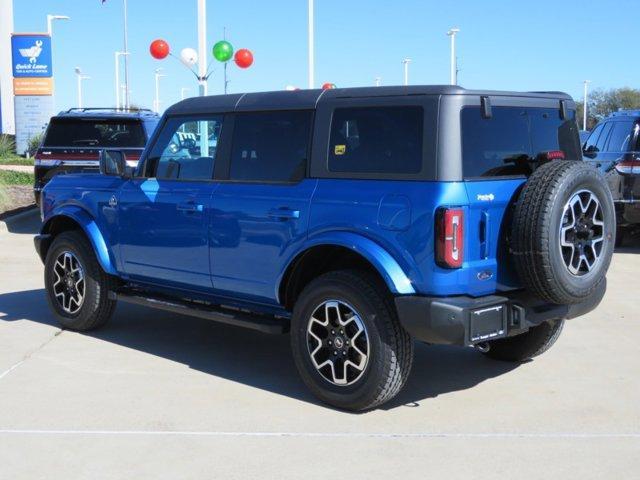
point(156, 102)
point(183, 91)
point(127, 92)
point(80, 76)
point(378, 80)
point(454, 64)
point(202, 46)
point(406, 63)
point(117, 59)
point(584, 106)
point(311, 46)
point(51, 18)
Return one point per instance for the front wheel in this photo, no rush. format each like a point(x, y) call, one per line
point(347, 343)
point(77, 287)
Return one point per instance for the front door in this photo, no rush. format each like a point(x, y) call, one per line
point(260, 210)
point(164, 215)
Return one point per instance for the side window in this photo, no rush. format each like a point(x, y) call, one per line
point(270, 146)
point(593, 138)
point(185, 149)
point(620, 137)
point(386, 140)
point(601, 144)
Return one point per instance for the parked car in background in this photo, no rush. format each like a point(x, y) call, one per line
point(614, 148)
point(73, 140)
point(357, 219)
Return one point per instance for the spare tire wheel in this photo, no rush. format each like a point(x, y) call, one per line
point(563, 232)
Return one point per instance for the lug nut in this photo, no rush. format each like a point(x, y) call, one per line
point(335, 352)
point(329, 342)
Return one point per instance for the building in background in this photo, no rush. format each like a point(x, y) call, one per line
point(7, 123)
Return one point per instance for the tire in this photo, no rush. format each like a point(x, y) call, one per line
point(389, 349)
point(70, 257)
point(524, 347)
point(550, 209)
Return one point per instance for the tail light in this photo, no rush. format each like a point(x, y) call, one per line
point(450, 237)
point(628, 166)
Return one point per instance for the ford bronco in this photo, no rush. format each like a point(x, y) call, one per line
point(358, 220)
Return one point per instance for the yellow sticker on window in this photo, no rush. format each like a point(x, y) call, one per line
point(339, 149)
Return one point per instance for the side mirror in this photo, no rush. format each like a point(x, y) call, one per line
point(590, 152)
point(113, 162)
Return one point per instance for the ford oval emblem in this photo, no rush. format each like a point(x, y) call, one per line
point(485, 275)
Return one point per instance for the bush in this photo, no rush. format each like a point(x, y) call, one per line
point(7, 145)
point(34, 144)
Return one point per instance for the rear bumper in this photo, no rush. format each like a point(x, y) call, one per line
point(464, 320)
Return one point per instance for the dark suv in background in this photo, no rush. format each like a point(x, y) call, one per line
point(613, 147)
point(74, 138)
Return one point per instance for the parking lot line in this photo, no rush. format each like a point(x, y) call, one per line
point(196, 433)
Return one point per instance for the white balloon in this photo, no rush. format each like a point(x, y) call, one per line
point(189, 56)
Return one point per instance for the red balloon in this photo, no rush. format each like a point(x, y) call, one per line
point(243, 58)
point(159, 49)
point(328, 86)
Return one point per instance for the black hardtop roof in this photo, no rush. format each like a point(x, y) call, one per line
point(106, 113)
point(308, 99)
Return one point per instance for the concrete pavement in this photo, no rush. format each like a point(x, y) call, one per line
point(154, 395)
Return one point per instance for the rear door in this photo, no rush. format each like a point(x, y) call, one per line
point(497, 153)
point(164, 215)
point(260, 210)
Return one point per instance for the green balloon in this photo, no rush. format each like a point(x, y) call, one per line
point(222, 51)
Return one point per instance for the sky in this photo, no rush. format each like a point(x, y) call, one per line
point(505, 45)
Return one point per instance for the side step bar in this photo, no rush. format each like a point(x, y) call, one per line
point(230, 316)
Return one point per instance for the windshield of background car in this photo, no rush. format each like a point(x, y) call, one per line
point(79, 132)
point(512, 137)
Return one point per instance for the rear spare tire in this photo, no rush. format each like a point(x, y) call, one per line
point(563, 232)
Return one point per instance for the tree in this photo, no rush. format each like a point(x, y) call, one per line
point(603, 102)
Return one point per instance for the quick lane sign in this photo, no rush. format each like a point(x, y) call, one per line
point(31, 54)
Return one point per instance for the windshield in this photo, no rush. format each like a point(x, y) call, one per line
point(79, 132)
point(507, 142)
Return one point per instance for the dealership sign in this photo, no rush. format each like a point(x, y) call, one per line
point(32, 85)
point(31, 55)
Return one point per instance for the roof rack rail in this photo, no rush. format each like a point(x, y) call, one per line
point(109, 109)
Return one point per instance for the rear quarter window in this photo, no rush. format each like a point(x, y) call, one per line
point(79, 132)
point(504, 144)
point(382, 140)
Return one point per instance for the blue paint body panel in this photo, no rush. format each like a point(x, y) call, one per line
point(233, 242)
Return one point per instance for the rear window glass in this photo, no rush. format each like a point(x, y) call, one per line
point(386, 140)
point(506, 143)
point(78, 132)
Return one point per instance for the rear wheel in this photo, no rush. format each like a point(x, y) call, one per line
point(347, 343)
point(77, 287)
point(524, 347)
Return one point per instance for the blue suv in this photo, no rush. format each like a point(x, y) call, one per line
point(358, 220)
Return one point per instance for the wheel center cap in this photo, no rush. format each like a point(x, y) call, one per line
point(339, 342)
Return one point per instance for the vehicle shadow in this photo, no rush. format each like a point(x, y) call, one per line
point(255, 359)
point(27, 223)
point(630, 243)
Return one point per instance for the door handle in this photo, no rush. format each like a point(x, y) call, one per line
point(284, 213)
point(189, 207)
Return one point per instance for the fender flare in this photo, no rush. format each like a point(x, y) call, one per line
point(91, 230)
point(389, 269)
